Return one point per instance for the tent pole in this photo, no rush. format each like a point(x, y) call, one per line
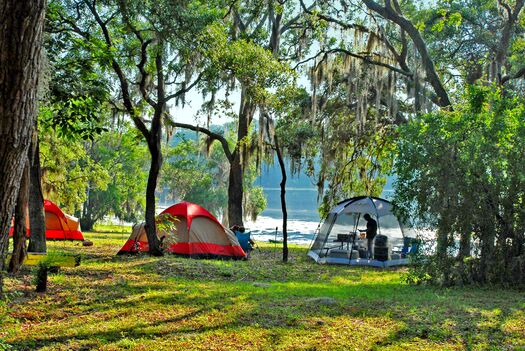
point(316, 233)
point(353, 240)
point(377, 216)
point(275, 244)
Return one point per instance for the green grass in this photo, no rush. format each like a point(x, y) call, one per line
point(170, 303)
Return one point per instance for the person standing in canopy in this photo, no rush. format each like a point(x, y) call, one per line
point(371, 232)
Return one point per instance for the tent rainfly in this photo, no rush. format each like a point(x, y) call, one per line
point(193, 232)
point(59, 226)
point(339, 242)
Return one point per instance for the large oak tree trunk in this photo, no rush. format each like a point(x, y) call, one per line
point(20, 228)
point(21, 26)
point(239, 159)
point(235, 191)
point(37, 220)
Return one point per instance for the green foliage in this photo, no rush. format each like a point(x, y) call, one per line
point(191, 176)
point(167, 228)
point(295, 132)
point(74, 118)
point(67, 169)
point(201, 176)
point(104, 176)
point(462, 173)
point(463, 37)
point(4, 346)
point(254, 198)
point(78, 91)
point(251, 64)
point(122, 154)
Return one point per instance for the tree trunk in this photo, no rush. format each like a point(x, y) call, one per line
point(20, 56)
point(464, 245)
point(283, 198)
point(37, 220)
point(443, 236)
point(505, 39)
point(239, 160)
point(235, 191)
point(86, 219)
point(20, 227)
point(156, 163)
point(486, 257)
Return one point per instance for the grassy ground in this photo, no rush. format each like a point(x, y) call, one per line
point(169, 303)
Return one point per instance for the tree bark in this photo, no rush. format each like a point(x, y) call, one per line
point(20, 227)
point(154, 147)
point(486, 257)
point(37, 220)
point(151, 228)
point(275, 43)
point(235, 181)
point(86, 220)
point(464, 245)
point(239, 160)
point(21, 26)
point(506, 33)
point(283, 198)
point(235, 191)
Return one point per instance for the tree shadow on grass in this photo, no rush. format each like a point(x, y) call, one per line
point(339, 306)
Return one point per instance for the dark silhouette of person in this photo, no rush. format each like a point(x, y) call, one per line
point(371, 232)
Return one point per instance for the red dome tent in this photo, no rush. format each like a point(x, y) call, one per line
point(195, 232)
point(59, 226)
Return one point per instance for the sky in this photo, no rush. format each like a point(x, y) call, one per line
point(190, 112)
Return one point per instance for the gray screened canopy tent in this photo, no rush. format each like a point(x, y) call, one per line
point(339, 241)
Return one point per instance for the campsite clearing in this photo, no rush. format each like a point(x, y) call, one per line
point(170, 303)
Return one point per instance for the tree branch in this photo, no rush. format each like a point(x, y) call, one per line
point(124, 87)
point(501, 50)
point(519, 74)
point(183, 90)
point(288, 25)
point(400, 58)
point(143, 54)
point(366, 59)
point(432, 76)
point(212, 135)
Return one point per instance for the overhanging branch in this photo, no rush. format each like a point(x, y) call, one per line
point(212, 135)
point(430, 69)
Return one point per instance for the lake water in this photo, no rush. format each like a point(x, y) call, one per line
point(303, 218)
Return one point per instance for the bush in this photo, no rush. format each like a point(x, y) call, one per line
point(462, 173)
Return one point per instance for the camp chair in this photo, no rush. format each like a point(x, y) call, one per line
point(410, 247)
point(244, 241)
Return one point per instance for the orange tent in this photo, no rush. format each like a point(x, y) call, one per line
point(59, 226)
point(193, 232)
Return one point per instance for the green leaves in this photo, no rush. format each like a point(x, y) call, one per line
point(74, 118)
point(447, 19)
point(189, 175)
point(461, 172)
point(254, 66)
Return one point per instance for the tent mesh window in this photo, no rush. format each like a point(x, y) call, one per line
point(347, 217)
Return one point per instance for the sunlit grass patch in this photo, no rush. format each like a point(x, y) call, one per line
point(173, 303)
point(338, 333)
